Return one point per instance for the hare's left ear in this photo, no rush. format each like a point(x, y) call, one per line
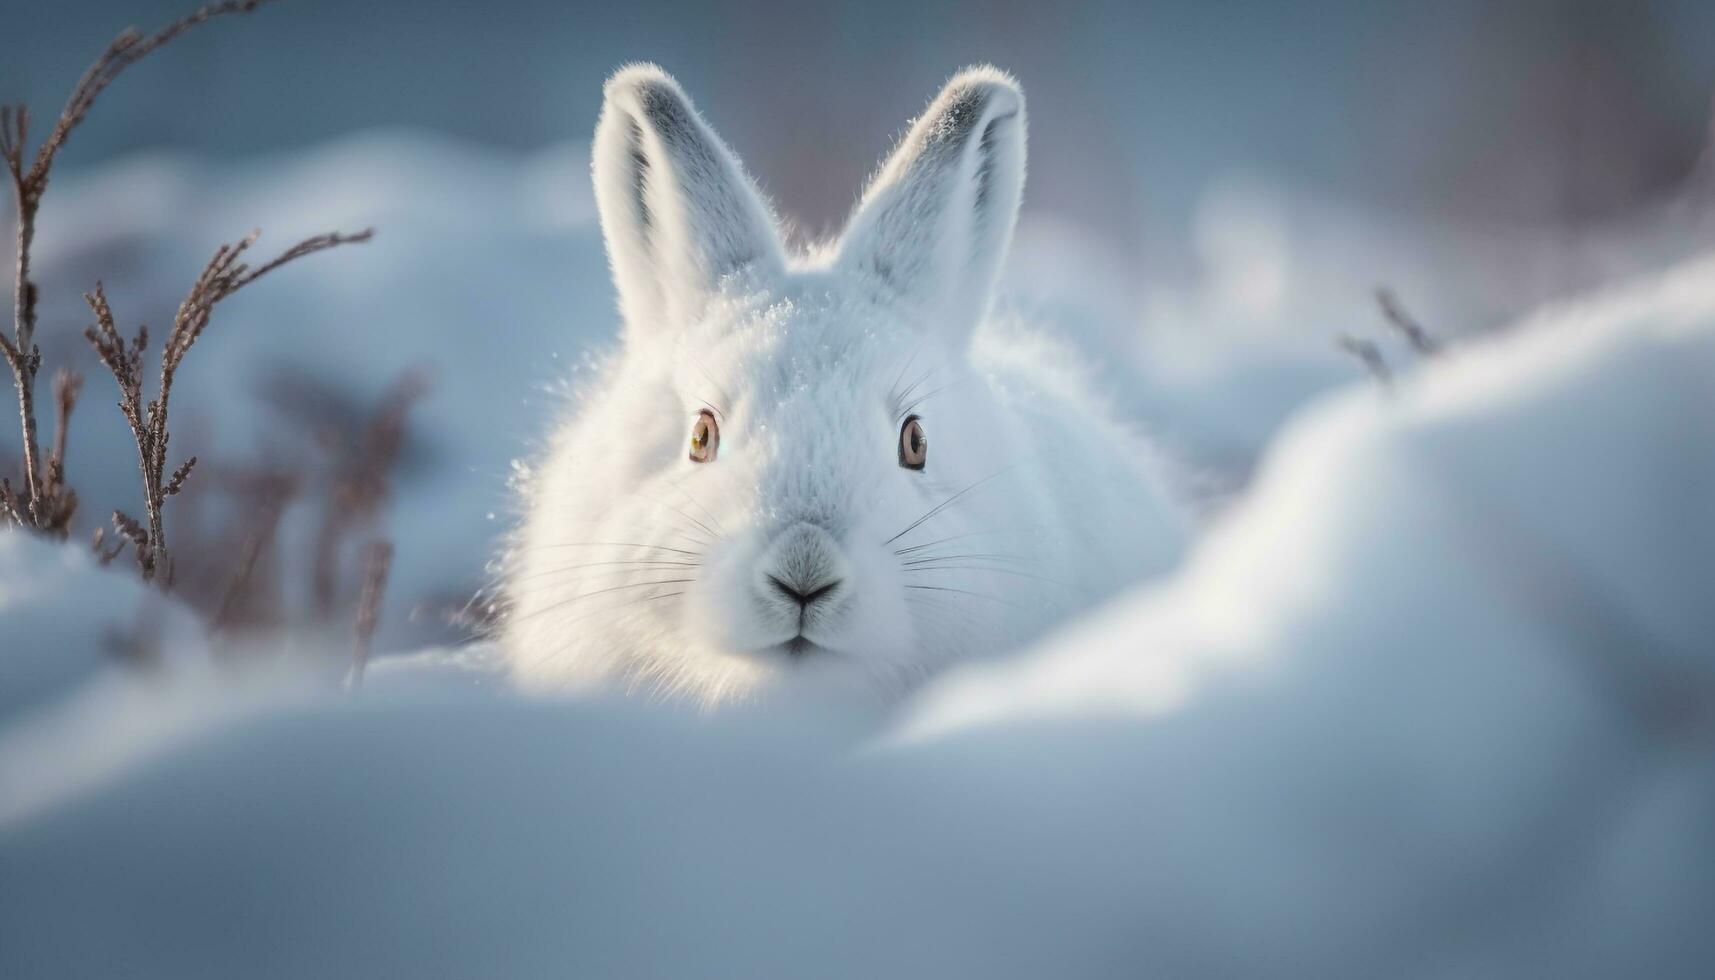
point(935, 223)
point(677, 210)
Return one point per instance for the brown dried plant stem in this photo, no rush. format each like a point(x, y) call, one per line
point(223, 276)
point(59, 500)
point(1369, 355)
point(1406, 325)
point(377, 561)
point(361, 484)
point(40, 504)
point(272, 492)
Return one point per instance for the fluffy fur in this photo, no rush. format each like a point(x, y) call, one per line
point(639, 568)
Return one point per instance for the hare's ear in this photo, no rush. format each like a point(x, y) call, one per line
point(677, 210)
point(935, 223)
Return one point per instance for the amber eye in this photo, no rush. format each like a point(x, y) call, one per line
point(913, 444)
point(705, 438)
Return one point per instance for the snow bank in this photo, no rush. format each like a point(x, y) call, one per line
point(486, 273)
point(1434, 700)
point(1227, 347)
point(1561, 478)
point(64, 618)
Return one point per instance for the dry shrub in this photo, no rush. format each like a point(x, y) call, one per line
point(233, 582)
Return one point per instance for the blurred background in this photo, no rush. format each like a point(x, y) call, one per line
point(1216, 191)
point(1534, 111)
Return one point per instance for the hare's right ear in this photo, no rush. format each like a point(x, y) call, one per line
point(677, 211)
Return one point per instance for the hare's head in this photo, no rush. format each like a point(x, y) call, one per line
point(785, 470)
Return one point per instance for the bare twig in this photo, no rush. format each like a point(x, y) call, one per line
point(1405, 324)
point(272, 492)
point(32, 506)
point(177, 482)
point(12, 506)
point(67, 386)
point(58, 502)
point(377, 561)
point(361, 483)
point(1367, 354)
point(20, 351)
point(126, 50)
point(103, 554)
point(223, 276)
point(129, 530)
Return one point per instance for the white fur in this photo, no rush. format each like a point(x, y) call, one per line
point(639, 569)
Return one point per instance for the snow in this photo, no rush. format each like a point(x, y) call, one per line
point(1433, 698)
point(1561, 475)
point(66, 619)
point(1226, 350)
point(487, 273)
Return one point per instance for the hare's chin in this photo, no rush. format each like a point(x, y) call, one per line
point(796, 650)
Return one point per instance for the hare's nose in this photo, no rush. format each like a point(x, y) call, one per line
point(804, 565)
point(802, 595)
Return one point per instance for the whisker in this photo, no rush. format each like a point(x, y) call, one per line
point(675, 484)
point(694, 359)
point(961, 557)
point(920, 379)
point(895, 396)
point(986, 568)
point(943, 505)
point(567, 647)
point(920, 399)
point(684, 533)
point(979, 595)
point(531, 615)
point(681, 512)
point(944, 631)
point(643, 565)
point(572, 600)
point(612, 544)
point(630, 561)
point(551, 589)
point(967, 534)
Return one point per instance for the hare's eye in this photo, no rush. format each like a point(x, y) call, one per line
point(705, 438)
point(913, 444)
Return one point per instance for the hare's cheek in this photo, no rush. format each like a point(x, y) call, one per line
point(879, 617)
point(883, 625)
point(720, 610)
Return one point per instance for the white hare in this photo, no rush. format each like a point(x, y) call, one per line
point(816, 469)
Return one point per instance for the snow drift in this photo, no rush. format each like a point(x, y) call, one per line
point(1436, 698)
point(66, 618)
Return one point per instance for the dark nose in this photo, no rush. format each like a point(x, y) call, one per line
point(803, 564)
point(801, 594)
